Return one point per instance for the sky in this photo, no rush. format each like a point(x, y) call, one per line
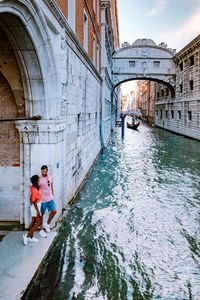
point(175, 22)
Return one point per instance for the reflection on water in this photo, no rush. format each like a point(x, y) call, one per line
point(134, 231)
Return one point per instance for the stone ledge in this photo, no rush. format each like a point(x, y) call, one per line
point(18, 263)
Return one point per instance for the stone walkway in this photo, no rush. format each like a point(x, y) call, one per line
point(18, 263)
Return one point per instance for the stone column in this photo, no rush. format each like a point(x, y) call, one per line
point(41, 143)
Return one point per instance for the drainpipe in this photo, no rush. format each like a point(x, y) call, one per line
point(122, 126)
point(101, 135)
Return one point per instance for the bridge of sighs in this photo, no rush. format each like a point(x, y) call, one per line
point(144, 60)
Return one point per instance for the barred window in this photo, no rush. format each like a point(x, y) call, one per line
point(156, 64)
point(132, 64)
point(181, 66)
point(192, 60)
point(191, 84)
point(189, 115)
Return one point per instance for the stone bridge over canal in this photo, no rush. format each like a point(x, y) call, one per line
point(144, 60)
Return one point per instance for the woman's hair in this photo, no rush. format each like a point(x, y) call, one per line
point(34, 181)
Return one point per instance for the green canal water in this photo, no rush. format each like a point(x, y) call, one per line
point(134, 230)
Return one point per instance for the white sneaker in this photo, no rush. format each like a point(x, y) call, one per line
point(25, 239)
point(42, 233)
point(33, 239)
point(47, 227)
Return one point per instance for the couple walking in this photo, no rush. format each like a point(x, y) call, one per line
point(41, 199)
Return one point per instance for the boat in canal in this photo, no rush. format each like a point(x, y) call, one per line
point(133, 126)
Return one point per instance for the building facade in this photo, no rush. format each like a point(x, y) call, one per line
point(50, 66)
point(148, 101)
point(110, 39)
point(181, 114)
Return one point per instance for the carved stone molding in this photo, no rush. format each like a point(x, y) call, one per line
point(41, 132)
point(195, 44)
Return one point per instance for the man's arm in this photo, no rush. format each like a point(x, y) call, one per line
point(52, 189)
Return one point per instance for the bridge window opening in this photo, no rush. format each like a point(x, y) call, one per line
point(179, 114)
point(191, 84)
point(181, 66)
point(192, 60)
point(132, 64)
point(190, 115)
point(172, 114)
point(166, 113)
point(161, 114)
point(156, 64)
point(167, 92)
point(162, 93)
point(181, 87)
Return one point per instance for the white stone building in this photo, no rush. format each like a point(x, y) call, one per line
point(50, 75)
point(181, 114)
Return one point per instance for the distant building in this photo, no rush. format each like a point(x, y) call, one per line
point(140, 94)
point(148, 101)
point(123, 102)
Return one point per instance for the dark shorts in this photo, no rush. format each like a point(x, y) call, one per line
point(50, 205)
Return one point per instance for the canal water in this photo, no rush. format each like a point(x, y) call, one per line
point(134, 230)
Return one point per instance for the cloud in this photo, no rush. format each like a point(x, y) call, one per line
point(184, 34)
point(159, 7)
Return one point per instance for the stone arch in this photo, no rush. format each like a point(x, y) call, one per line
point(167, 84)
point(26, 29)
point(31, 74)
point(144, 60)
point(9, 68)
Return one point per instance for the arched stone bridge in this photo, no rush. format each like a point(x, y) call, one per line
point(144, 60)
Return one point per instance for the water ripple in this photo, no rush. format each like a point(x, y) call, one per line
point(134, 231)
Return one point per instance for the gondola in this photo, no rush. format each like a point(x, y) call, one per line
point(133, 126)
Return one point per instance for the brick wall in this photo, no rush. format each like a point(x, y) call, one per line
point(63, 6)
point(79, 23)
point(9, 136)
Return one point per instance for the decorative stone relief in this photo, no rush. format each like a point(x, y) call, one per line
point(41, 132)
